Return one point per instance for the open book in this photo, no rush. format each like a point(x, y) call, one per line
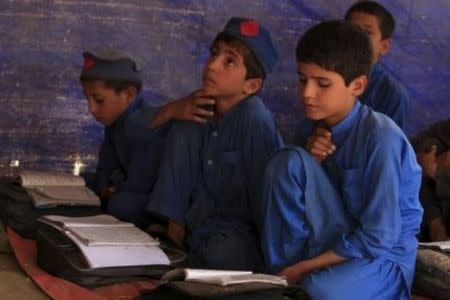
point(48, 188)
point(222, 277)
point(105, 241)
point(444, 245)
point(101, 230)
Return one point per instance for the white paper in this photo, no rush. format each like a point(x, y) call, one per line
point(119, 256)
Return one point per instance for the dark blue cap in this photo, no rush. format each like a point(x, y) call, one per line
point(109, 65)
point(257, 38)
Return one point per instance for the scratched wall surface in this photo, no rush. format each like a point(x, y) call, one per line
point(44, 121)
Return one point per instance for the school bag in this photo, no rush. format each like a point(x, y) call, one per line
point(18, 212)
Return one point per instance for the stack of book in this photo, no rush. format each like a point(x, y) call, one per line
point(49, 188)
point(105, 241)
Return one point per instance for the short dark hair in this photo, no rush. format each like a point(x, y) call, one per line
point(253, 66)
point(338, 46)
point(117, 85)
point(385, 18)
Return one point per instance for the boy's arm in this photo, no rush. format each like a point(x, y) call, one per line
point(107, 163)
point(375, 192)
point(193, 107)
point(297, 271)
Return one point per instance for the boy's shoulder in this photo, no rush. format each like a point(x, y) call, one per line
point(388, 83)
point(377, 127)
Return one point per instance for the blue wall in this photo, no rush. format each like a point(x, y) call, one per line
point(43, 115)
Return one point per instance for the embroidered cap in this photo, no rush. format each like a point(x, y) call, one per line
point(109, 64)
point(257, 38)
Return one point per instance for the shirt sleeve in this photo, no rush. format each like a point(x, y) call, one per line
point(263, 143)
point(107, 163)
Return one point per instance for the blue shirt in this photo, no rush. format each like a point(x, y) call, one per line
point(375, 171)
point(213, 173)
point(386, 95)
point(130, 153)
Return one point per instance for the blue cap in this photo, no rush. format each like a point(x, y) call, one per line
point(257, 38)
point(109, 65)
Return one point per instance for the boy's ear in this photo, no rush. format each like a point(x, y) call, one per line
point(358, 85)
point(130, 94)
point(252, 86)
point(385, 46)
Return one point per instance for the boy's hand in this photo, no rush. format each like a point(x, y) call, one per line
point(428, 162)
point(319, 144)
point(107, 192)
point(294, 273)
point(194, 107)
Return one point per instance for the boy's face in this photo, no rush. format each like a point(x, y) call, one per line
point(105, 104)
point(224, 75)
point(324, 94)
point(371, 25)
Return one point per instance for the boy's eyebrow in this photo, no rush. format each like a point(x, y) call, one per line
point(313, 77)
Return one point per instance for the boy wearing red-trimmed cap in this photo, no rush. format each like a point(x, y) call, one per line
point(209, 181)
point(133, 138)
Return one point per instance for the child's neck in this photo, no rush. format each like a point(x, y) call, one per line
point(225, 104)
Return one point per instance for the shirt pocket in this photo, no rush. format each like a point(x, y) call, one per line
point(352, 191)
point(226, 177)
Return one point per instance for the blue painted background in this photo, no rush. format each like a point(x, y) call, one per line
point(43, 115)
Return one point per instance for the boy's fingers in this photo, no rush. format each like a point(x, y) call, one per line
point(203, 112)
point(322, 132)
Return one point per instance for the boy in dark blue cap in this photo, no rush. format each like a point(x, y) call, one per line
point(210, 181)
point(130, 153)
point(346, 228)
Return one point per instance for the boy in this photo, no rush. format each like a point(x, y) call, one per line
point(383, 93)
point(344, 229)
point(130, 153)
point(209, 181)
point(432, 147)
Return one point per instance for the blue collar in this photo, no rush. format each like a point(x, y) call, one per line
point(137, 102)
point(340, 130)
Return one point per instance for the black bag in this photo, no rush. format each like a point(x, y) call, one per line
point(58, 255)
point(183, 290)
point(18, 212)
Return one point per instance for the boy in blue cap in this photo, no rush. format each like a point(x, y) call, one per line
point(209, 183)
point(130, 152)
point(343, 229)
point(383, 92)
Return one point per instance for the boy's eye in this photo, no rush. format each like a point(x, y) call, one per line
point(324, 84)
point(368, 32)
point(98, 100)
point(230, 61)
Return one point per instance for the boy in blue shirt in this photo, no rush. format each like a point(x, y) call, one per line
point(209, 183)
point(130, 152)
point(345, 228)
point(383, 93)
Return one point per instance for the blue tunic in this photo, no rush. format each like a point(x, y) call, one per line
point(386, 95)
point(128, 159)
point(210, 181)
point(375, 174)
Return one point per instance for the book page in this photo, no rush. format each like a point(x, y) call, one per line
point(192, 274)
point(102, 236)
point(444, 245)
point(29, 178)
point(225, 280)
point(120, 256)
point(102, 220)
point(62, 195)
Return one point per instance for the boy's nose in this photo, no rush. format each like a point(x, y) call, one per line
point(213, 62)
point(306, 90)
point(92, 107)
